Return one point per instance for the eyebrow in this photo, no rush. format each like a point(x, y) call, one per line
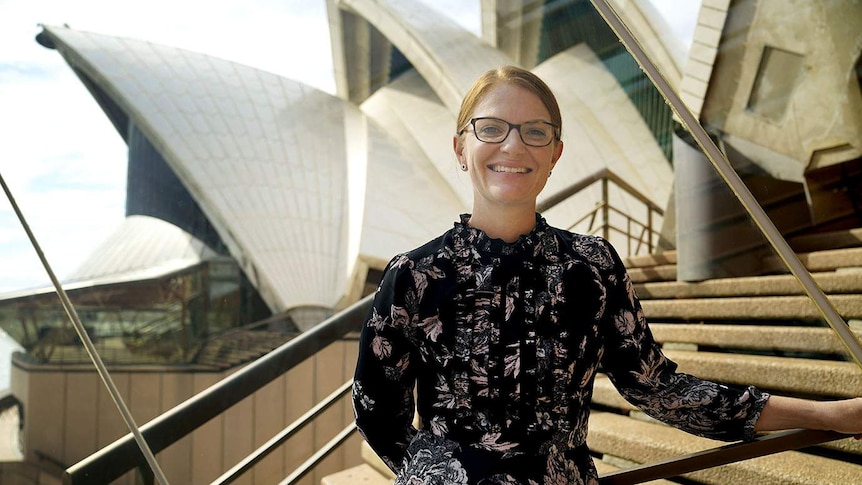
point(536, 120)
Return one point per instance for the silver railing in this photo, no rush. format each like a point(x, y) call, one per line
point(639, 234)
point(137, 448)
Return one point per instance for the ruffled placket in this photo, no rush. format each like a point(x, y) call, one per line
point(496, 344)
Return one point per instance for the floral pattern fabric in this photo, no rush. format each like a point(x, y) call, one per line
point(501, 343)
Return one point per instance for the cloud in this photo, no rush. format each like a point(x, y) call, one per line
point(62, 158)
point(681, 16)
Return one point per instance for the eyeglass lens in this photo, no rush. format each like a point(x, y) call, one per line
point(494, 130)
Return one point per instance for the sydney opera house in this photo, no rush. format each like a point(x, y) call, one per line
point(258, 207)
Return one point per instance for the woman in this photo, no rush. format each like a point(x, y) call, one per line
point(502, 322)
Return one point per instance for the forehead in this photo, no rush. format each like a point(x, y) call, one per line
point(511, 103)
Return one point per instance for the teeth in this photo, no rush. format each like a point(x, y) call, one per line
point(498, 168)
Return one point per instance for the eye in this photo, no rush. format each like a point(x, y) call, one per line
point(490, 130)
point(537, 132)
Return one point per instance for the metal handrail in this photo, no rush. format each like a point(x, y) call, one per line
point(322, 453)
point(770, 232)
point(600, 174)
point(733, 181)
point(606, 175)
point(167, 428)
point(265, 449)
point(122, 455)
point(136, 440)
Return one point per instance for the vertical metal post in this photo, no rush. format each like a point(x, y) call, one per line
point(605, 212)
point(649, 230)
point(88, 344)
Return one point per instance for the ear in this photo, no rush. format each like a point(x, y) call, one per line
point(458, 147)
point(558, 152)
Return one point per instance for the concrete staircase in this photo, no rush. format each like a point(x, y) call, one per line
point(759, 330)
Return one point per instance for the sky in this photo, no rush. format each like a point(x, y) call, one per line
point(62, 159)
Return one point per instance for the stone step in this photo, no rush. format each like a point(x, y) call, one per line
point(644, 260)
point(775, 338)
point(666, 272)
point(791, 375)
point(606, 396)
point(645, 442)
point(662, 267)
point(773, 285)
point(363, 474)
point(816, 261)
point(835, 239)
point(750, 308)
point(370, 457)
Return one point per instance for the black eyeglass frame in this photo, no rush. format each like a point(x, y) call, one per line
point(512, 126)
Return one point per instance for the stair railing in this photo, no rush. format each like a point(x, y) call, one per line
point(121, 456)
point(732, 180)
point(605, 176)
point(265, 449)
point(776, 442)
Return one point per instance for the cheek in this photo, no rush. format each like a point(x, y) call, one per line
point(477, 152)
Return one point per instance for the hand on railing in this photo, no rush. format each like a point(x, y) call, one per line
point(844, 416)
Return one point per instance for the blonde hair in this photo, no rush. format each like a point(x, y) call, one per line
point(508, 74)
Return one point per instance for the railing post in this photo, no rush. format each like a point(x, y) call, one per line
point(605, 209)
point(629, 235)
point(649, 229)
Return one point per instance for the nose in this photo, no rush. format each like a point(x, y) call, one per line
point(513, 139)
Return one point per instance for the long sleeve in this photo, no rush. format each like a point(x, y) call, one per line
point(383, 382)
point(645, 377)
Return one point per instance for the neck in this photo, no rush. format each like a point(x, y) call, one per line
point(506, 224)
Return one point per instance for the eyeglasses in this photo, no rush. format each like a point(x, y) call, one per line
point(495, 130)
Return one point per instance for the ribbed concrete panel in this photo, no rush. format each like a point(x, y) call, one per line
point(139, 248)
point(411, 113)
point(601, 128)
point(408, 203)
point(447, 55)
point(704, 49)
point(263, 156)
point(514, 27)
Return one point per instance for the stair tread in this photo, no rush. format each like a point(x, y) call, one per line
point(766, 337)
point(833, 239)
point(652, 259)
point(645, 442)
point(663, 267)
point(361, 474)
point(749, 308)
point(771, 285)
point(824, 260)
point(785, 374)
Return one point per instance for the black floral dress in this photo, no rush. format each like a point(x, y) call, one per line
point(502, 343)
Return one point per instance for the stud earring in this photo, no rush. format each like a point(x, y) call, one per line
point(550, 172)
point(463, 167)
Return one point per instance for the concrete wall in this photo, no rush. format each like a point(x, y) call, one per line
point(68, 414)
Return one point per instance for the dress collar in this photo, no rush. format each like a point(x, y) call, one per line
point(479, 239)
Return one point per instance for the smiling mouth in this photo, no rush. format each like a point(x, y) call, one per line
point(503, 169)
